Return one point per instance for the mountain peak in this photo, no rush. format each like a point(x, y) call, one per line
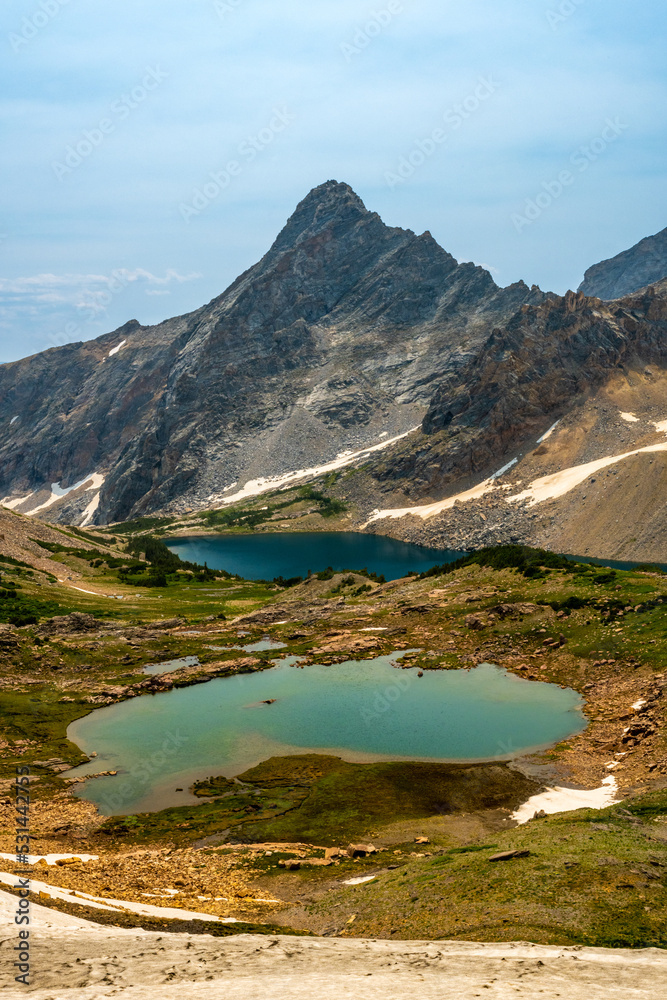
point(330, 194)
point(325, 206)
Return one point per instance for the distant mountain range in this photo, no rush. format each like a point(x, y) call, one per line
point(347, 335)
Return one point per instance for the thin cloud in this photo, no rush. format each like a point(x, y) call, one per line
point(85, 291)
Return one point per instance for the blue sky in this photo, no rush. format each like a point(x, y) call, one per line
point(526, 135)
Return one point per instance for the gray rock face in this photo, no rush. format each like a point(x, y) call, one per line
point(525, 376)
point(629, 271)
point(337, 338)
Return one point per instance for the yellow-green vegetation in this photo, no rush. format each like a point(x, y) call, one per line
point(298, 508)
point(592, 877)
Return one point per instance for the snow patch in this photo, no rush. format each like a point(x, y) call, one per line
point(660, 426)
point(630, 418)
point(257, 486)
point(548, 434)
point(57, 492)
point(13, 504)
point(13, 421)
point(360, 880)
point(431, 509)
point(559, 483)
point(117, 349)
point(115, 905)
point(557, 800)
point(639, 704)
point(90, 510)
point(505, 468)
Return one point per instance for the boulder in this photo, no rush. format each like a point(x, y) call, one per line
point(361, 850)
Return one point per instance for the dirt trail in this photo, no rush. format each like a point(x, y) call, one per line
point(74, 959)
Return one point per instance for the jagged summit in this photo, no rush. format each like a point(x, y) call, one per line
point(329, 206)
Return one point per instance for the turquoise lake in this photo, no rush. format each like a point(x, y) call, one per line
point(264, 556)
point(361, 711)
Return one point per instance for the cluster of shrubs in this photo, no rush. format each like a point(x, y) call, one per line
point(162, 564)
point(93, 556)
point(531, 563)
point(252, 518)
point(18, 610)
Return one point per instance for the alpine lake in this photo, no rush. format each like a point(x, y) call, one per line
point(361, 710)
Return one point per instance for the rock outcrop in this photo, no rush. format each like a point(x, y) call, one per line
point(629, 271)
point(527, 375)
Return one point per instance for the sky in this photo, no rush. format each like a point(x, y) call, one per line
point(151, 150)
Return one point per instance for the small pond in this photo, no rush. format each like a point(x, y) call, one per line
point(361, 711)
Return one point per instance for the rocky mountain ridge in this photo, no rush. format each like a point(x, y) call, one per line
point(334, 341)
point(629, 271)
point(526, 375)
point(555, 435)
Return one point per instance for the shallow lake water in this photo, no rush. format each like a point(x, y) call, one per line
point(264, 556)
point(361, 711)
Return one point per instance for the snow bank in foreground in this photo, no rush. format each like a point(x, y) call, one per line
point(558, 800)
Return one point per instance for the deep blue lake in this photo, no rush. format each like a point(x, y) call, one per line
point(266, 556)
